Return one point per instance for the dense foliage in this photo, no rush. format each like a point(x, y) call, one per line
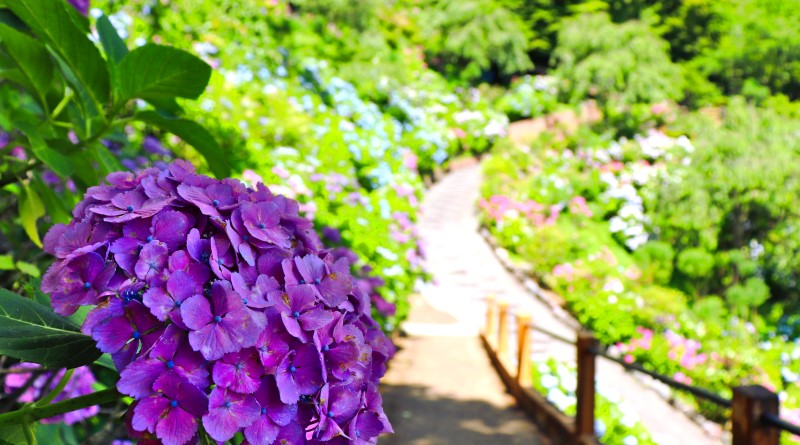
point(603, 223)
point(349, 132)
point(670, 232)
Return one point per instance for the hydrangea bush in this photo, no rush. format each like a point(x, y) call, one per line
point(580, 216)
point(221, 310)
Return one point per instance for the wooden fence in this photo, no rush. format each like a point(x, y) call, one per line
point(755, 416)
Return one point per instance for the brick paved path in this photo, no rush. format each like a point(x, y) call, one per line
point(440, 388)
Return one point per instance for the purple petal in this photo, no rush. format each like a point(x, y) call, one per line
point(159, 302)
point(199, 248)
point(264, 430)
point(338, 284)
point(228, 412)
point(136, 380)
point(196, 312)
point(212, 341)
point(171, 228)
point(268, 397)
point(198, 197)
point(315, 319)
point(177, 428)
point(148, 411)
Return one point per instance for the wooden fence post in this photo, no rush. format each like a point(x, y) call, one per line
point(489, 331)
point(584, 419)
point(749, 404)
point(523, 350)
point(502, 330)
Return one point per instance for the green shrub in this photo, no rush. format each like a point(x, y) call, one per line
point(622, 64)
point(655, 261)
point(466, 37)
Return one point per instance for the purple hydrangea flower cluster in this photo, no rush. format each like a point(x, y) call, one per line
point(19, 378)
point(363, 279)
point(222, 310)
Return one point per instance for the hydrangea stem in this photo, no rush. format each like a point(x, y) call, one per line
point(32, 413)
point(57, 390)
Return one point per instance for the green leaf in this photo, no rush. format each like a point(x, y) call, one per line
point(106, 160)
point(113, 45)
point(195, 135)
point(57, 206)
point(57, 162)
point(162, 72)
point(32, 60)
point(12, 435)
point(106, 362)
point(56, 434)
point(6, 262)
point(30, 210)
point(32, 332)
point(29, 269)
point(55, 25)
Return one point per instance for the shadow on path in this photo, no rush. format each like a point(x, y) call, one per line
point(422, 418)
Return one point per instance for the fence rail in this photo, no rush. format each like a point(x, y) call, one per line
point(755, 417)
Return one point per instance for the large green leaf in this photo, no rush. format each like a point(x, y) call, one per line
point(51, 158)
point(32, 332)
point(32, 60)
point(13, 435)
point(113, 45)
point(58, 208)
point(79, 58)
point(195, 135)
point(30, 210)
point(106, 161)
point(162, 72)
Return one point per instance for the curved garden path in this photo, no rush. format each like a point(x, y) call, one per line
point(441, 388)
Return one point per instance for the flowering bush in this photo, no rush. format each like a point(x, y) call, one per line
point(616, 423)
point(221, 310)
point(585, 215)
point(529, 96)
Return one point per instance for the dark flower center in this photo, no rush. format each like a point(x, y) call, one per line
point(358, 433)
point(228, 404)
point(239, 366)
point(215, 202)
point(292, 368)
point(130, 208)
point(262, 226)
point(263, 411)
point(262, 349)
point(302, 281)
point(326, 348)
point(170, 364)
point(244, 300)
point(127, 295)
point(217, 318)
point(87, 285)
point(245, 237)
point(205, 256)
point(136, 334)
point(317, 281)
point(330, 413)
point(296, 314)
point(207, 292)
point(173, 403)
point(150, 238)
point(177, 304)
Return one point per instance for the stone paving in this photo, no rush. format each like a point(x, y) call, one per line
point(440, 388)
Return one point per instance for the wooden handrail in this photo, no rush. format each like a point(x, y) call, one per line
point(751, 405)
